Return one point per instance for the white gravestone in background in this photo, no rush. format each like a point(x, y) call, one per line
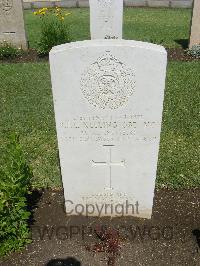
point(195, 24)
point(108, 100)
point(106, 19)
point(12, 28)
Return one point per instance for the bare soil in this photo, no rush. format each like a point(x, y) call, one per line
point(177, 54)
point(171, 237)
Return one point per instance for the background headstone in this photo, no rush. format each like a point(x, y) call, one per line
point(106, 19)
point(195, 25)
point(108, 100)
point(12, 23)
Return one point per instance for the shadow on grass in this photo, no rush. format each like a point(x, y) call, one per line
point(196, 233)
point(32, 203)
point(64, 262)
point(183, 42)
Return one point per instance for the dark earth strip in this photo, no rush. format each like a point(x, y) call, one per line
point(171, 237)
point(31, 56)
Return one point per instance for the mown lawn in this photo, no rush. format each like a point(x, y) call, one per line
point(26, 103)
point(26, 107)
point(169, 27)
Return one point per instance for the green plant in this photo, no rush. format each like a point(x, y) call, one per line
point(54, 29)
point(7, 51)
point(194, 51)
point(15, 177)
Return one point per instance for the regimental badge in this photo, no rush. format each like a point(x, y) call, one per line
point(108, 83)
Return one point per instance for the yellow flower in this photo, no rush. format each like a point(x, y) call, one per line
point(35, 13)
point(42, 11)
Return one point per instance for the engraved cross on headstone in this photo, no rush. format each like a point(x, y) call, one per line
point(109, 163)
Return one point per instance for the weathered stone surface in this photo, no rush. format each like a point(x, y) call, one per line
point(181, 3)
point(195, 24)
point(83, 3)
point(43, 4)
point(106, 18)
point(67, 4)
point(130, 3)
point(12, 23)
point(27, 5)
point(108, 98)
point(127, 3)
point(158, 3)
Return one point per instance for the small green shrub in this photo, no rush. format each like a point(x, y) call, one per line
point(54, 29)
point(194, 51)
point(7, 51)
point(15, 176)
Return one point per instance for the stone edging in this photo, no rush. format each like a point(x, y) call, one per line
point(127, 3)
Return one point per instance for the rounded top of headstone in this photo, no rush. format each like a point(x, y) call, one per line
point(109, 43)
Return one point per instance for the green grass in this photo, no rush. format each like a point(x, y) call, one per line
point(26, 107)
point(161, 26)
point(26, 101)
point(180, 139)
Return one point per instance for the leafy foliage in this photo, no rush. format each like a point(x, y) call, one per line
point(7, 51)
point(15, 177)
point(194, 51)
point(54, 29)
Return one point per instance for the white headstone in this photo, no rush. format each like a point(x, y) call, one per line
point(195, 24)
point(108, 100)
point(12, 28)
point(106, 19)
